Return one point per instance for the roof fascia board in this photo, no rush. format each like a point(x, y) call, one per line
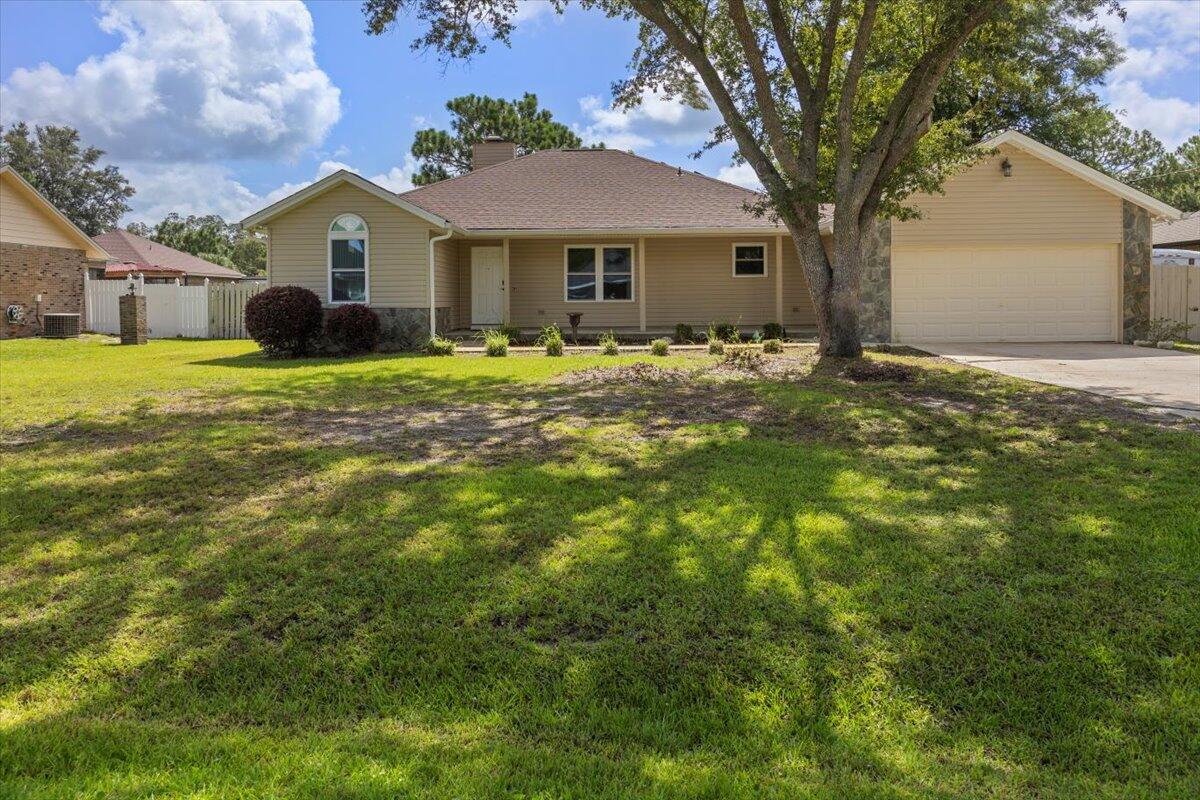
point(328, 182)
point(92, 250)
point(1083, 172)
point(485, 233)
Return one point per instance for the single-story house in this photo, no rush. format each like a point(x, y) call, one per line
point(43, 257)
point(1179, 234)
point(158, 263)
point(1026, 244)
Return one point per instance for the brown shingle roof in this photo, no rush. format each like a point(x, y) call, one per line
point(1180, 231)
point(128, 247)
point(587, 190)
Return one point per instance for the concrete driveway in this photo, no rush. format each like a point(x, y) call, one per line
point(1166, 379)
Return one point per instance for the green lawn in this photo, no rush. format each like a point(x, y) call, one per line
point(223, 576)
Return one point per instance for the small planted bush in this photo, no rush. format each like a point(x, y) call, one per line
point(512, 332)
point(716, 346)
point(551, 339)
point(659, 347)
point(353, 327)
point(724, 331)
point(773, 330)
point(772, 346)
point(608, 344)
point(284, 320)
point(495, 343)
point(684, 334)
point(438, 346)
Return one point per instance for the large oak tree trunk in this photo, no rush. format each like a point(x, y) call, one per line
point(834, 292)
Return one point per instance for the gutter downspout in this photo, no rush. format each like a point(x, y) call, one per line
point(432, 306)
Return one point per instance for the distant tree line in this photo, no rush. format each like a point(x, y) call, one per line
point(95, 197)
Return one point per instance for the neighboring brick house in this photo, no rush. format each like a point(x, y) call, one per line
point(41, 253)
point(158, 263)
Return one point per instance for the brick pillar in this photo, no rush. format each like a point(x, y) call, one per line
point(133, 319)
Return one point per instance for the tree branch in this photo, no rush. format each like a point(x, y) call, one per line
point(772, 123)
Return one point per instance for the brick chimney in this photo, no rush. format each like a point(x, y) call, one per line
point(492, 150)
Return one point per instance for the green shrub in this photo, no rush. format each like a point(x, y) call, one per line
point(684, 333)
point(551, 339)
point(773, 330)
point(659, 347)
point(725, 332)
point(772, 346)
point(512, 332)
point(495, 342)
point(437, 346)
point(1166, 330)
point(608, 344)
point(353, 328)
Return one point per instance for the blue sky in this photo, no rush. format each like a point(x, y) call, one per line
point(212, 107)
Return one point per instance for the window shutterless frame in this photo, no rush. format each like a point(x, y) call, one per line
point(598, 266)
point(346, 227)
point(762, 246)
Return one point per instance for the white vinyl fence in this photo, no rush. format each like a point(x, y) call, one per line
point(211, 311)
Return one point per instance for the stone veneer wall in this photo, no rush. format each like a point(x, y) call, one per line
point(875, 287)
point(407, 328)
point(1137, 242)
point(26, 271)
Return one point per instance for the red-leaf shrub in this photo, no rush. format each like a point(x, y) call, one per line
point(284, 319)
point(353, 327)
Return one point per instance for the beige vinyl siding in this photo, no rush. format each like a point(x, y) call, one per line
point(445, 271)
point(398, 249)
point(1038, 203)
point(797, 302)
point(24, 221)
point(690, 279)
point(537, 285)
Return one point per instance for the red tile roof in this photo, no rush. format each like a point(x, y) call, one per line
point(587, 190)
point(130, 248)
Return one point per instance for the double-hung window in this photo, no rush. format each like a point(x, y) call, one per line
point(348, 260)
point(749, 260)
point(599, 273)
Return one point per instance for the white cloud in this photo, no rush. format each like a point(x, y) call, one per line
point(1162, 46)
point(189, 82)
point(656, 120)
point(741, 174)
point(212, 188)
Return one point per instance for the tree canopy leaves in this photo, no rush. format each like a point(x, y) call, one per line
point(444, 154)
point(53, 161)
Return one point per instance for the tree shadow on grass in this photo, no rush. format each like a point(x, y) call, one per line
point(728, 609)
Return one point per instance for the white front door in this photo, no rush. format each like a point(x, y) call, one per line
point(487, 286)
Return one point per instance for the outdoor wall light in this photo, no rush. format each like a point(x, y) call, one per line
point(1006, 168)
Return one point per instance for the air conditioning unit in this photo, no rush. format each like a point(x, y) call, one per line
point(60, 326)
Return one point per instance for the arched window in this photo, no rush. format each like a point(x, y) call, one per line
point(349, 260)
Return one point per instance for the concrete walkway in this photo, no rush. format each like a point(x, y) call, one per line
point(1166, 379)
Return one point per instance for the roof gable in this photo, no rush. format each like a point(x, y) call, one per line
point(60, 220)
point(1083, 172)
point(336, 179)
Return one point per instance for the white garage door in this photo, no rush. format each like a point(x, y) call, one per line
point(1004, 294)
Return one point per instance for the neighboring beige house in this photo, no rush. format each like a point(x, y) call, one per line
point(1026, 244)
point(42, 254)
point(158, 263)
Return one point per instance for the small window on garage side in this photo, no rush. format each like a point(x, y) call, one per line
point(348, 260)
point(749, 260)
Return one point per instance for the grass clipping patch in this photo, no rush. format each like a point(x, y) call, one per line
point(861, 370)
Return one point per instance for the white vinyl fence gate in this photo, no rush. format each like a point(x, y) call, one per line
point(211, 311)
